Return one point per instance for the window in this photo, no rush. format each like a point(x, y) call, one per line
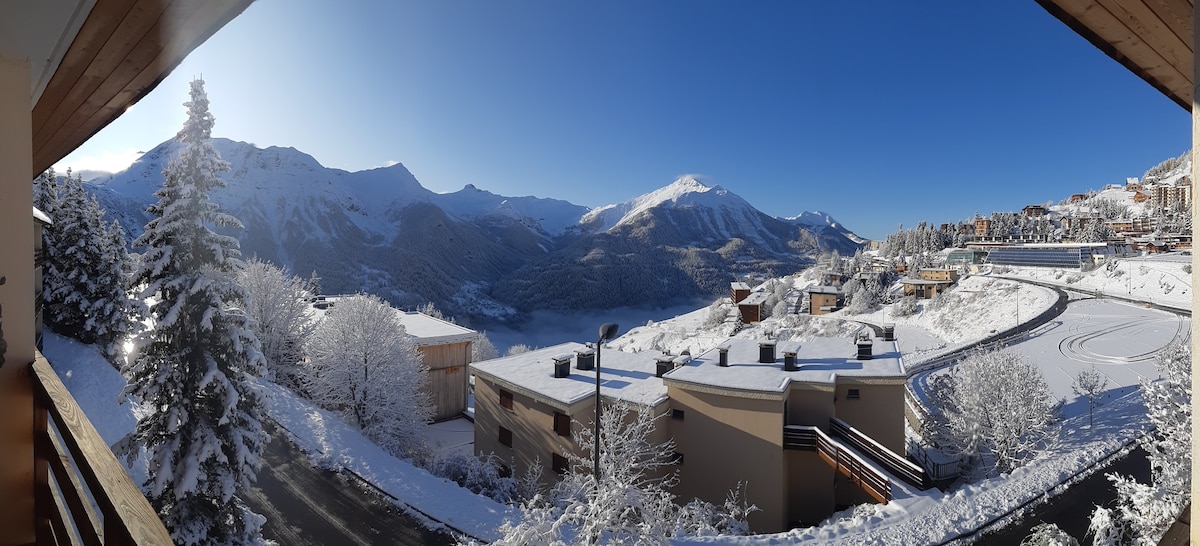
point(506, 436)
point(505, 399)
point(559, 464)
point(562, 424)
point(852, 394)
point(677, 414)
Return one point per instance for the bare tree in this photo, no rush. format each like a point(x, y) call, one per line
point(1090, 384)
point(365, 366)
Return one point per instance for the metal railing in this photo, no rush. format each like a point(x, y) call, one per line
point(82, 494)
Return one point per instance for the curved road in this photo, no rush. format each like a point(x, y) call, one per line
point(311, 506)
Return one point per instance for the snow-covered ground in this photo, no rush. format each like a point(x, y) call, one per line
point(1158, 279)
point(1118, 338)
point(328, 440)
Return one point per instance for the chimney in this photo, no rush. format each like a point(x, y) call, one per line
point(723, 356)
point(789, 357)
point(766, 351)
point(562, 365)
point(889, 332)
point(585, 359)
point(663, 363)
point(864, 347)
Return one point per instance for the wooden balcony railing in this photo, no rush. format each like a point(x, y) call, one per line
point(894, 463)
point(83, 494)
point(809, 438)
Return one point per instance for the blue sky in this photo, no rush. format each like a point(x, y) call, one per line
point(879, 113)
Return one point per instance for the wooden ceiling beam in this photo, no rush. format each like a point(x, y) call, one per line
point(1142, 35)
point(131, 47)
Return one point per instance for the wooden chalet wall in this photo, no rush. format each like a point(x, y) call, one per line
point(447, 365)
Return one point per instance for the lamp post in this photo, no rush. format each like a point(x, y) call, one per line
point(607, 332)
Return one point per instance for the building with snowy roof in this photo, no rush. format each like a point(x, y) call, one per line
point(793, 421)
point(445, 349)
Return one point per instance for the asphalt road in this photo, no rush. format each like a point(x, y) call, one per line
point(305, 505)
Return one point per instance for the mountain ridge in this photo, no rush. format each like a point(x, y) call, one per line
point(473, 251)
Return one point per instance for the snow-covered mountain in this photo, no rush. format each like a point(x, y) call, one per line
point(684, 240)
point(475, 253)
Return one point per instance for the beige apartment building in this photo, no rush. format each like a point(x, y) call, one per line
point(748, 411)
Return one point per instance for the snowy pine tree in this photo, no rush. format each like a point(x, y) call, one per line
point(84, 282)
point(203, 434)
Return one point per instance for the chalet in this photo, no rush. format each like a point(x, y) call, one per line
point(983, 227)
point(751, 309)
point(1078, 198)
point(822, 299)
point(924, 289)
point(445, 350)
point(943, 274)
point(1033, 211)
point(1132, 184)
point(738, 291)
point(752, 411)
point(1140, 197)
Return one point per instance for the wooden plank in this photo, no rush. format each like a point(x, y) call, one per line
point(43, 501)
point(86, 520)
point(1104, 30)
point(120, 501)
point(132, 62)
point(99, 50)
point(185, 35)
point(1177, 16)
point(1146, 24)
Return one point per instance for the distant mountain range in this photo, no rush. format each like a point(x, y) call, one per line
point(479, 255)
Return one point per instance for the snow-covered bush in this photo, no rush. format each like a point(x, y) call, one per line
point(517, 349)
point(1187, 268)
point(483, 349)
point(1048, 534)
point(994, 410)
point(480, 475)
point(717, 312)
point(905, 307)
point(631, 503)
point(1143, 512)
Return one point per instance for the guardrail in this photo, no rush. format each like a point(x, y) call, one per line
point(810, 438)
point(896, 464)
point(82, 494)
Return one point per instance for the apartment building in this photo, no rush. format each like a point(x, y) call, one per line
point(445, 350)
point(749, 411)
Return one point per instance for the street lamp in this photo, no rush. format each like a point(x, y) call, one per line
point(607, 332)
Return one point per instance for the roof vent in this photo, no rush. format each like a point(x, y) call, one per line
point(562, 365)
point(585, 359)
point(663, 363)
point(766, 351)
point(864, 347)
point(789, 357)
point(723, 355)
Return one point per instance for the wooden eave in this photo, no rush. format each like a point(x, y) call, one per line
point(1152, 38)
point(121, 53)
